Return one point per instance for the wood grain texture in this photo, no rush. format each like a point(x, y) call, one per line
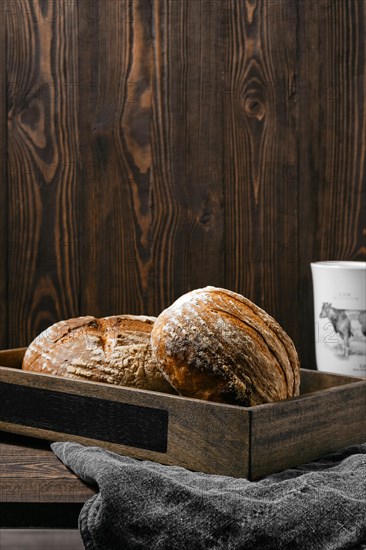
point(115, 66)
point(152, 210)
point(3, 183)
point(187, 226)
point(155, 146)
point(30, 472)
point(299, 431)
point(42, 169)
point(260, 157)
point(331, 141)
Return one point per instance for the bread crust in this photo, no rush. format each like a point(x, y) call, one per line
point(114, 350)
point(215, 344)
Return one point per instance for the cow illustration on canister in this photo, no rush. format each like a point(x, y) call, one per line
point(345, 323)
point(340, 322)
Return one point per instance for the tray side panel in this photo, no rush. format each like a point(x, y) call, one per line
point(287, 434)
point(12, 357)
point(202, 436)
point(313, 380)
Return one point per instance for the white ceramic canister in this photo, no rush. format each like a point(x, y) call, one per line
point(340, 316)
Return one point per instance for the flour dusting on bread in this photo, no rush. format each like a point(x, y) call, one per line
point(113, 350)
point(214, 334)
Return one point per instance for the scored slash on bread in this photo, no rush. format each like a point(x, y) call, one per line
point(217, 345)
point(114, 350)
point(211, 344)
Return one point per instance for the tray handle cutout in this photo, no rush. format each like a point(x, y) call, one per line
point(89, 417)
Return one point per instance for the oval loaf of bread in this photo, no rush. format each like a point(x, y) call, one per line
point(217, 345)
point(114, 350)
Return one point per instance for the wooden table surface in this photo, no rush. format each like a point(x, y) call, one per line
point(36, 489)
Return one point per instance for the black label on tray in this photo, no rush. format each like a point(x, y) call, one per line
point(91, 417)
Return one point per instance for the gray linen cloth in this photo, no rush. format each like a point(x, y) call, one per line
point(141, 504)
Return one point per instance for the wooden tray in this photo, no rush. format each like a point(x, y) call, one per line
point(210, 437)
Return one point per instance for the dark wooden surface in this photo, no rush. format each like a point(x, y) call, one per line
point(158, 146)
point(3, 185)
point(31, 473)
point(36, 489)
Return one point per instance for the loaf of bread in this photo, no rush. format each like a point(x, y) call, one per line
point(217, 345)
point(114, 350)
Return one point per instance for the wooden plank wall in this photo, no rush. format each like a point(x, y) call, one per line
point(155, 146)
point(3, 186)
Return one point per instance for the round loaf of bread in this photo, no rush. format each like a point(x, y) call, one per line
point(217, 345)
point(114, 350)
